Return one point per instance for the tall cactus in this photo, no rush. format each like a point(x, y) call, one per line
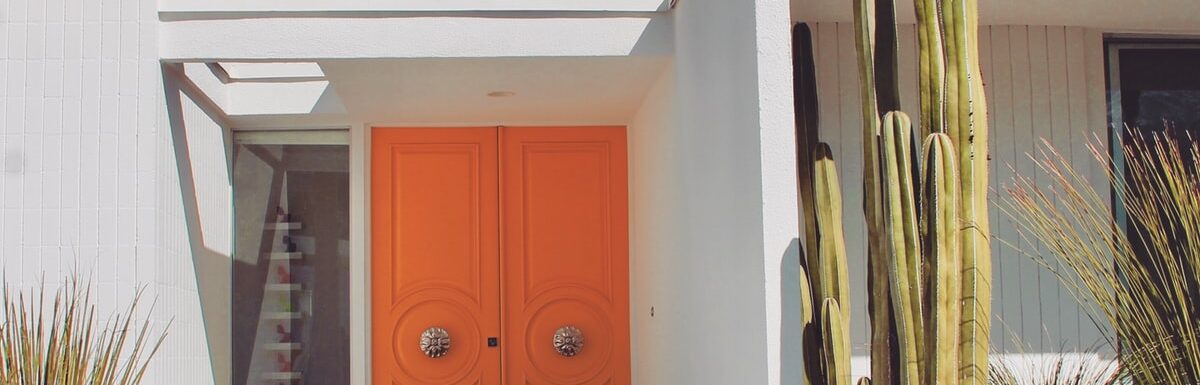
point(967, 126)
point(927, 220)
point(823, 273)
point(805, 90)
point(952, 86)
point(831, 243)
point(931, 77)
point(830, 287)
point(880, 308)
point(939, 227)
point(901, 241)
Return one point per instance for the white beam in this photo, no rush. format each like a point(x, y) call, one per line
point(322, 38)
point(409, 5)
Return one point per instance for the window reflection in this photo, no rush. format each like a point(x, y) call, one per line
point(290, 315)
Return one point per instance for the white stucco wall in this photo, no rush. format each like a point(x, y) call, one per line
point(714, 201)
point(652, 255)
point(195, 228)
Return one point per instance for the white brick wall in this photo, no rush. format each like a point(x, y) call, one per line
point(80, 85)
point(88, 178)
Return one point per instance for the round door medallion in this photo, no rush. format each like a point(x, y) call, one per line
point(435, 342)
point(568, 341)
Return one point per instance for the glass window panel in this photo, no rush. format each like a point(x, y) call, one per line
point(290, 296)
point(1159, 95)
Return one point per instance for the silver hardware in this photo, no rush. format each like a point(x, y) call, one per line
point(435, 342)
point(568, 341)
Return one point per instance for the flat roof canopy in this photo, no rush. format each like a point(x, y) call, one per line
point(206, 6)
point(426, 92)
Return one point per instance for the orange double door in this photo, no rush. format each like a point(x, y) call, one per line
point(499, 256)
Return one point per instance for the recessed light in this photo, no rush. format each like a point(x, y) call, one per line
point(501, 94)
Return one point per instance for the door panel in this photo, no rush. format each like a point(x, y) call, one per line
point(435, 254)
point(565, 253)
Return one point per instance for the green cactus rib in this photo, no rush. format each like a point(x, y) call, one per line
point(882, 326)
point(956, 76)
point(887, 49)
point(864, 37)
point(805, 134)
point(900, 227)
point(837, 344)
point(810, 330)
point(806, 305)
point(831, 240)
point(806, 137)
point(967, 125)
point(939, 229)
point(805, 91)
point(811, 277)
point(932, 250)
point(931, 78)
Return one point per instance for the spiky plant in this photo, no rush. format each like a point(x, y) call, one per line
point(824, 286)
point(915, 339)
point(62, 342)
point(827, 337)
point(1139, 282)
point(1056, 369)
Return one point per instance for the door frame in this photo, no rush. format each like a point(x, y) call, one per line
point(360, 241)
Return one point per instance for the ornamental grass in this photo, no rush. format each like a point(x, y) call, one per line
point(1086, 368)
point(1137, 278)
point(63, 342)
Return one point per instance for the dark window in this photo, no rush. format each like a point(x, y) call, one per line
point(1158, 88)
point(1160, 95)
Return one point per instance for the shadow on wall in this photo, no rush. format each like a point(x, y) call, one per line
point(212, 267)
point(791, 354)
point(657, 39)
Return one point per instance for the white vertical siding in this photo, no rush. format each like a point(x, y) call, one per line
point(1042, 82)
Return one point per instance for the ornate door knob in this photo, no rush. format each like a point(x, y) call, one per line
point(568, 341)
point(435, 342)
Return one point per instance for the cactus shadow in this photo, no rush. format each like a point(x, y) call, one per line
point(791, 346)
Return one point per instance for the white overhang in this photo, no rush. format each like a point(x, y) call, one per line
point(315, 38)
point(597, 90)
point(180, 6)
point(288, 71)
point(429, 92)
